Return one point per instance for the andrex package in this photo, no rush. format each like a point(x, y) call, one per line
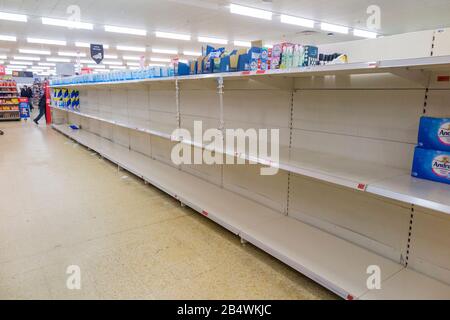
point(431, 165)
point(434, 133)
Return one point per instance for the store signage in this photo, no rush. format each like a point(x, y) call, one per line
point(86, 70)
point(97, 53)
point(2, 70)
point(22, 74)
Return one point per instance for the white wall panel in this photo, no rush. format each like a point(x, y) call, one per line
point(403, 46)
point(378, 114)
point(430, 243)
point(376, 224)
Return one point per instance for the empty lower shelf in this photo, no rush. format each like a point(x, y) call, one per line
point(334, 263)
point(410, 285)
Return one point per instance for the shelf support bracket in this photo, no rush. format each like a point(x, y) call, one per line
point(418, 76)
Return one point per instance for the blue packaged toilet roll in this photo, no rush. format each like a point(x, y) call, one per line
point(431, 165)
point(434, 133)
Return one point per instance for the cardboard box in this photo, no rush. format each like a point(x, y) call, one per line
point(434, 133)
point(431, 165)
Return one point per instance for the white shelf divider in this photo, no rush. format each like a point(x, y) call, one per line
point(335, 263)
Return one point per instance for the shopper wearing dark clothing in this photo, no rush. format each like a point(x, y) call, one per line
point(29, 95)
point(42, 108)
point(23, 92)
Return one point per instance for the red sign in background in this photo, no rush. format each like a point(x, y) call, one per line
point(2, 70)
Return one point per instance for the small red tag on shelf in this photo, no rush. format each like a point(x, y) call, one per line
point(205, 213)
point(261, 71)
point(362, 186)
point(245, 72)
point(443, 78)
point(350, 297)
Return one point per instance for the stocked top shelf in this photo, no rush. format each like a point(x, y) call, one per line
point(380, 180)
point(335, 263)
point(387, 66)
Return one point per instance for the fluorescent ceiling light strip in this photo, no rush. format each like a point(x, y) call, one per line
point(39, 68)
point(71, 54)
point(47, 41)
point(27, 58)
point(297, 21)
point(2, 57)
point(24, 63)
point(157, 65)
point(250, 12)
point(13, 17)
point(334, 28)
point(110, 56)
point(176, 36)
point(364, 34)
point(132, 58)
point(48, 64)
point(68, 23)
point(2, 62)
point(133, 64)
point(8, 38)
point(128, 48)
point(245, 44)
point(58, 60)
point(86, 61)
point(192, 53)
point(96, 66)
point(138, 32)
point(160, 59)
point(164, 51)
point(118, 67)
point(32, 51)
point(113, 63)
point(88, 45)
point(212, 40)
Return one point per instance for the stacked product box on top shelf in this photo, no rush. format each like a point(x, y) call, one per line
point(432, 155)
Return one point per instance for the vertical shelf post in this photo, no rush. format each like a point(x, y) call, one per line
point(220, 88)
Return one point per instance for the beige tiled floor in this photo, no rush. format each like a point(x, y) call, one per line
point(62, 205)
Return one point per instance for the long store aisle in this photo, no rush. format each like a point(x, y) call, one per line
point(62, 206)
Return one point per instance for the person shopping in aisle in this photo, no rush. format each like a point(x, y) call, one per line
point(29, 95)
point(42, 108)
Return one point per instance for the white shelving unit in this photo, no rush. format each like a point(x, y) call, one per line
point(343, 199)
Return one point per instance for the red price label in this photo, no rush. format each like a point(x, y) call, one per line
point(2, 70)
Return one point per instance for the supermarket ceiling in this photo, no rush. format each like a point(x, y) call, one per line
point(211, 18)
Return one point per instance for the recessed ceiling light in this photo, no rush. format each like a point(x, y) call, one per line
point(192, 53)
point(160, 59)
point(47, 41)
point(58, 60)
point(245, 44)
point(88, 45)
point(333, 28)
point(165, 51)
point(24, 63)
point(364, 34)
point(176, 36)
point(128, 48)
point(27, 58)
point(67, 23)
point(212, 40)
point(71, 54)
point(250, 12)
point(13, 17)
point(138, 32)
point(8, 38)
point(33, 51)
point(297, 21)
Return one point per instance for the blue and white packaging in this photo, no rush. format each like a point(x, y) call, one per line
point(431, 165)
point(434, 133)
